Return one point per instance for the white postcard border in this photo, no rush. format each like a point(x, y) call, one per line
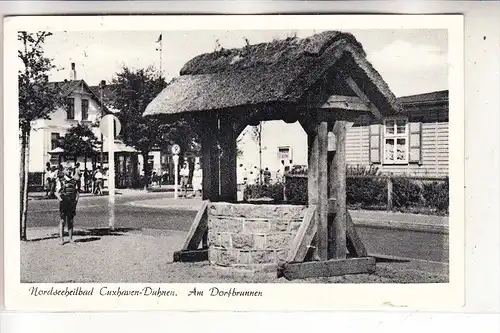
point(275, 296)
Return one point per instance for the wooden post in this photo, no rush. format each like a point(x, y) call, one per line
point(322, 235)
point(389, 193)
point(312, 179)
point(210, 160)
point(339, 226)
point(227, 140)
point(312, 168)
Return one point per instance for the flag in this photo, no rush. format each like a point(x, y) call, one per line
point(159, 38)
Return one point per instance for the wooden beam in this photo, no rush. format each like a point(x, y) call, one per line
point(322, 237)
point(344, 102)
point(334, 267)
point(227, 141)
point(339, 228)
point(191, 255)
point(302, 241)
point(198, 229)
point(354, 243)
point(355, 88)
point(312, 168)
point(210, 160)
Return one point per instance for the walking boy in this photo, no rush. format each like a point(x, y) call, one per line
point(67, 195)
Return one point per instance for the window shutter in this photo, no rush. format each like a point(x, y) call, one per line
point(375, 135)
point(415, 142)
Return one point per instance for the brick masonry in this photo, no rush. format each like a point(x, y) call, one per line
point(251, 237)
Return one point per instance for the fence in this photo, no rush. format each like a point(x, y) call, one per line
point(389, 192)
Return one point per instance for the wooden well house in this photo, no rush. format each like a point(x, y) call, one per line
point(326, 84)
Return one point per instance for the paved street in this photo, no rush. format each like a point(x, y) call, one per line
point(92, 212)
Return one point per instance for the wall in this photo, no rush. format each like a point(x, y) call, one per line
point(434, 149)
point(251, 237)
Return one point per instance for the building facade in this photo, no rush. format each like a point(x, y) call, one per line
point(414, 144)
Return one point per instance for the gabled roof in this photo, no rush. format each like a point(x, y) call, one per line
point(68, 86)
point(432, 97)
point(280, 71)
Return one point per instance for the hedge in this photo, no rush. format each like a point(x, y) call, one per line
point(367, 193)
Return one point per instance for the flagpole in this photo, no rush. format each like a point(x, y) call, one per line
point(161, 53)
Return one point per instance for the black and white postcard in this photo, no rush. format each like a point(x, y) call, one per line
point(234, 162)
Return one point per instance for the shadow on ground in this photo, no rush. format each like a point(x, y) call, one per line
point(93, 234)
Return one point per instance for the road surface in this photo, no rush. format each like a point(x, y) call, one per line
point(92, 212)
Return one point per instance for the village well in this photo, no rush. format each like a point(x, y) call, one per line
point(251, 237)
point(325, 83)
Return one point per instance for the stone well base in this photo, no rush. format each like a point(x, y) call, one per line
point(251, 237)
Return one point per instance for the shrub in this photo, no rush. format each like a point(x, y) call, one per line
point(362, 170)
point(274, 191)
point(366, 192)
point(406, 193)
point(296, 189)
point(437, 195)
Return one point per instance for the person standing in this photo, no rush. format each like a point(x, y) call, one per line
point(184, 173)
point(67, 195)
point(99, 178)
point(48, 179)
point(197, 180)
point(77, 175)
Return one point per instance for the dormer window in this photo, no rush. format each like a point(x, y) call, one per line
point(70, 109)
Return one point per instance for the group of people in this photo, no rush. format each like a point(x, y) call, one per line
point(86, 180)
point(252, 175)
point(196, 179)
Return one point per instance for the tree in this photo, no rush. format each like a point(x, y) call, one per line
point(37, 100)
point(79, 141)
point(135, 89)
point(256, 133)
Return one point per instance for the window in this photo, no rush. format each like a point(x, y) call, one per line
point(85, 109)
point(54, 139)
point(70, 108)
point(284, 153)
point(395, 142)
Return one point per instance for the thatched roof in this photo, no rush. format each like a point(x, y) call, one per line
point(281, 71)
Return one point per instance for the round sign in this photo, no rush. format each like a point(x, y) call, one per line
point(103, 124)
point(176, 149)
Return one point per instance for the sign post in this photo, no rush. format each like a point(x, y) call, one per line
point(175, 151)
point(107, 127)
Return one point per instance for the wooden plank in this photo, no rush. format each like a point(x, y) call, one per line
point(198, 229)
point(227, 140)
point(191, 255)
point(322, 236)
point(302, 241)
point(339, 248)
point(334, 267)
point(354, 86)
point(354, 243)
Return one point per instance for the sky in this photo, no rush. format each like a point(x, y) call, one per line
point(410, 61)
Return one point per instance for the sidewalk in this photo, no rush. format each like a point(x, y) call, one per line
point(370, 218)
point(101, 256)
